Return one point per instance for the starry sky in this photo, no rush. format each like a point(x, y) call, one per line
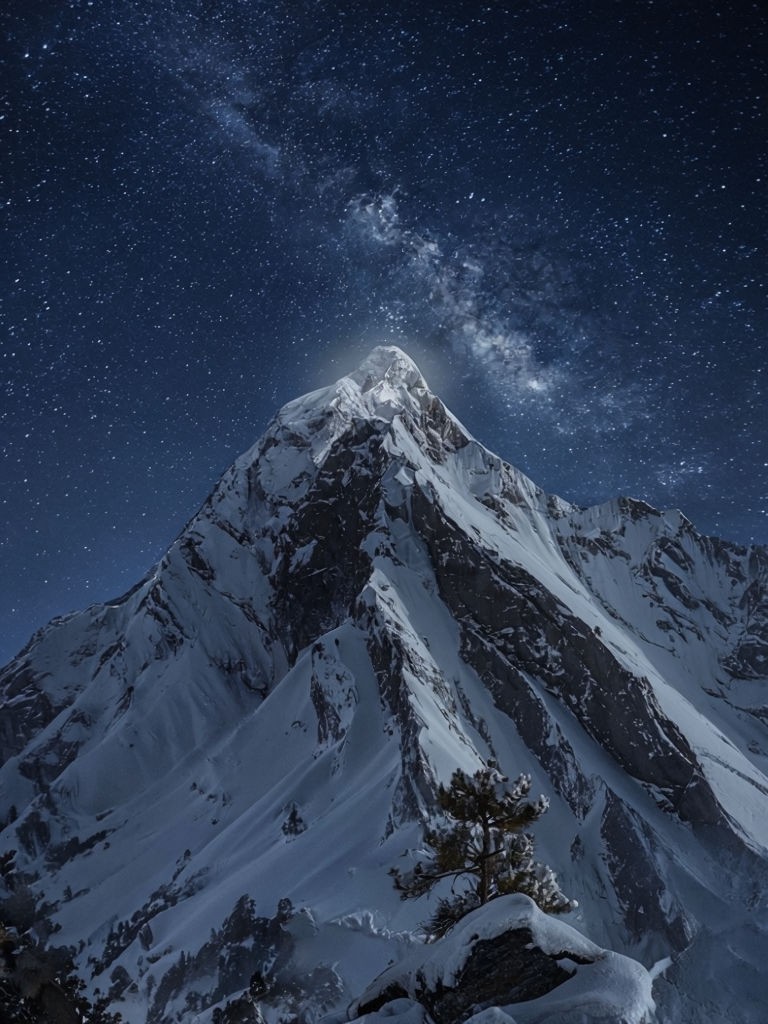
point(558, 207)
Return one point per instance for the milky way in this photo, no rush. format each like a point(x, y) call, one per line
point(558, 208)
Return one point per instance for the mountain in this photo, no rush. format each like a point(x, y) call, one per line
point(207, 780)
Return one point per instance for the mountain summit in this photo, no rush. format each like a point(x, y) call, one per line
point(388, 365)
point(206, 782)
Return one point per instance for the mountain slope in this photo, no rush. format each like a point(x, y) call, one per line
point(368, 600)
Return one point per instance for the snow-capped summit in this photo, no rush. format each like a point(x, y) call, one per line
point(368, 600)
point(388, 365)
point(386, 386)
point(387, 383)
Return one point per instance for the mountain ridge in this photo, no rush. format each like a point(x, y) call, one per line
point(368, 599)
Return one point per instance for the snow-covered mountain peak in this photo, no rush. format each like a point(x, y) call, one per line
point(387, 384)
point(385, 395)
point(368, 600)
point(388, 364)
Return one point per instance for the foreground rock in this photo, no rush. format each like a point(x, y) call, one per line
point(508, 962)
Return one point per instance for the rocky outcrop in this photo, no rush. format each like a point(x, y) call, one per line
point(509, 955)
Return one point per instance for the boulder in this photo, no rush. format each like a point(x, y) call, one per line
point(509, 962)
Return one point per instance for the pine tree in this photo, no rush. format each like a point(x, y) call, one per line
point(482, 840)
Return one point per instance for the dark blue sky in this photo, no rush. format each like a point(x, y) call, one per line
point(557, 207)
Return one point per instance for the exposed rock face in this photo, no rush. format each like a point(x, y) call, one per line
point(26, 710)
point(368, 600)
point(514, 628)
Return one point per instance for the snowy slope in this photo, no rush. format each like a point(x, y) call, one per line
point(368, 600)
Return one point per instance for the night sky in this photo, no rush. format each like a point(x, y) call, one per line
point(558, 208)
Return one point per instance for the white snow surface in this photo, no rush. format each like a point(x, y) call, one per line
point(298, 650)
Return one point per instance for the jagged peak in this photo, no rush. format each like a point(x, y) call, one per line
point(387, 384)
point(391, 365)
point(385, 387)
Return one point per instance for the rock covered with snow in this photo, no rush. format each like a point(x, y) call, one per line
point(368, 600)
point(509, 960)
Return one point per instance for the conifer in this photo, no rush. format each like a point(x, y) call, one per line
point(482, 845)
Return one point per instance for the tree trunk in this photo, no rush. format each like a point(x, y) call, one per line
point(484, 889)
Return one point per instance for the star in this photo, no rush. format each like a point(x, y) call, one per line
point(210, 210)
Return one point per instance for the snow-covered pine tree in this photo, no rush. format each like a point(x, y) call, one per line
point(482, 840)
